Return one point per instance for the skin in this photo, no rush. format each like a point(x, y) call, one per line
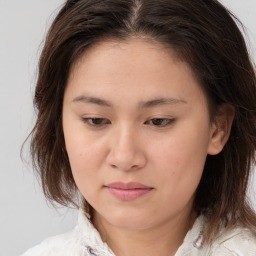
point(161, 144)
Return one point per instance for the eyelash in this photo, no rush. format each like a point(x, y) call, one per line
point(91, 121)
point(166, 121)
point(100, 122)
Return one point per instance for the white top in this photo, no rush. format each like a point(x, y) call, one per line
point(84, 240)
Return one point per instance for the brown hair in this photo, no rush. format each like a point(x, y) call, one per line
point(205, 35)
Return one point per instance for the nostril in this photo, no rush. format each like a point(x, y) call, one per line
point(126, 156)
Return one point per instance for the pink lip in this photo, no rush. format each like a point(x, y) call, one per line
point(128, 191)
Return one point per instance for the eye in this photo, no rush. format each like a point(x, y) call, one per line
point(95, 121)
point(160, 122)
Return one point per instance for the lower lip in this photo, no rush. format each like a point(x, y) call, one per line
point(128, 194)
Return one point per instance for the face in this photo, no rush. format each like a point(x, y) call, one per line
point(137, 132)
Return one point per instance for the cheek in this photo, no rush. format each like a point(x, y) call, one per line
point(181, 157)
point(84, 158)
point(84, 152)
point(84, 162)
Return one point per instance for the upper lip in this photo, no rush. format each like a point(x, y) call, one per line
point(129, 185)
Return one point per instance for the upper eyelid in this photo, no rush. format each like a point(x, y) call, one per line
point(166, 119)
point(163, 118)
point(86, 119)
point(107, 121)
point(151, 118)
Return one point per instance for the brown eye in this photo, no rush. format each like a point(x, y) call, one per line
point(160, 122)
point(94, 121)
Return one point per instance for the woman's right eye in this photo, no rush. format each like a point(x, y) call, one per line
point(95, 121)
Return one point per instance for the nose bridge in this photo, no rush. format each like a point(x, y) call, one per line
point(126, 152)
point(126, 137)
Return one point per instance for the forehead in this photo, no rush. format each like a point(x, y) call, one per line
point(148, 69)
point(134, 49)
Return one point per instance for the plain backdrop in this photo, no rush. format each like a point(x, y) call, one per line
point(25, 217)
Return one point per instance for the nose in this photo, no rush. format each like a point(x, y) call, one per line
point(126, 151)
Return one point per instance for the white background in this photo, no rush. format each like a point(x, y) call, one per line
point(25, 218)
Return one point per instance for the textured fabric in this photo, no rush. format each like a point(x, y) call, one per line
point(84, 240)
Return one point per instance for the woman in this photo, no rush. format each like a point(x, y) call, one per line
point(147, 123)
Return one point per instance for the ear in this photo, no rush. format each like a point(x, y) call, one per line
point(221, 127)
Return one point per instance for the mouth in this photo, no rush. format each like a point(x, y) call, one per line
point(128, 191)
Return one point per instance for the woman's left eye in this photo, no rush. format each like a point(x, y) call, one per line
point(160, 122)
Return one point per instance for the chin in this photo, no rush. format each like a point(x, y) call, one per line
point(129, 221)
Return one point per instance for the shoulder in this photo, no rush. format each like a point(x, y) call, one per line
point(61, 245)
point(237, 241)
point(82, 240)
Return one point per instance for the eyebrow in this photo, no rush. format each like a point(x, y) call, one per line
point(161, 101)
point(92, 100)
point(147, 104)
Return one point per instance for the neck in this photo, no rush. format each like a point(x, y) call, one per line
point(164, 240)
